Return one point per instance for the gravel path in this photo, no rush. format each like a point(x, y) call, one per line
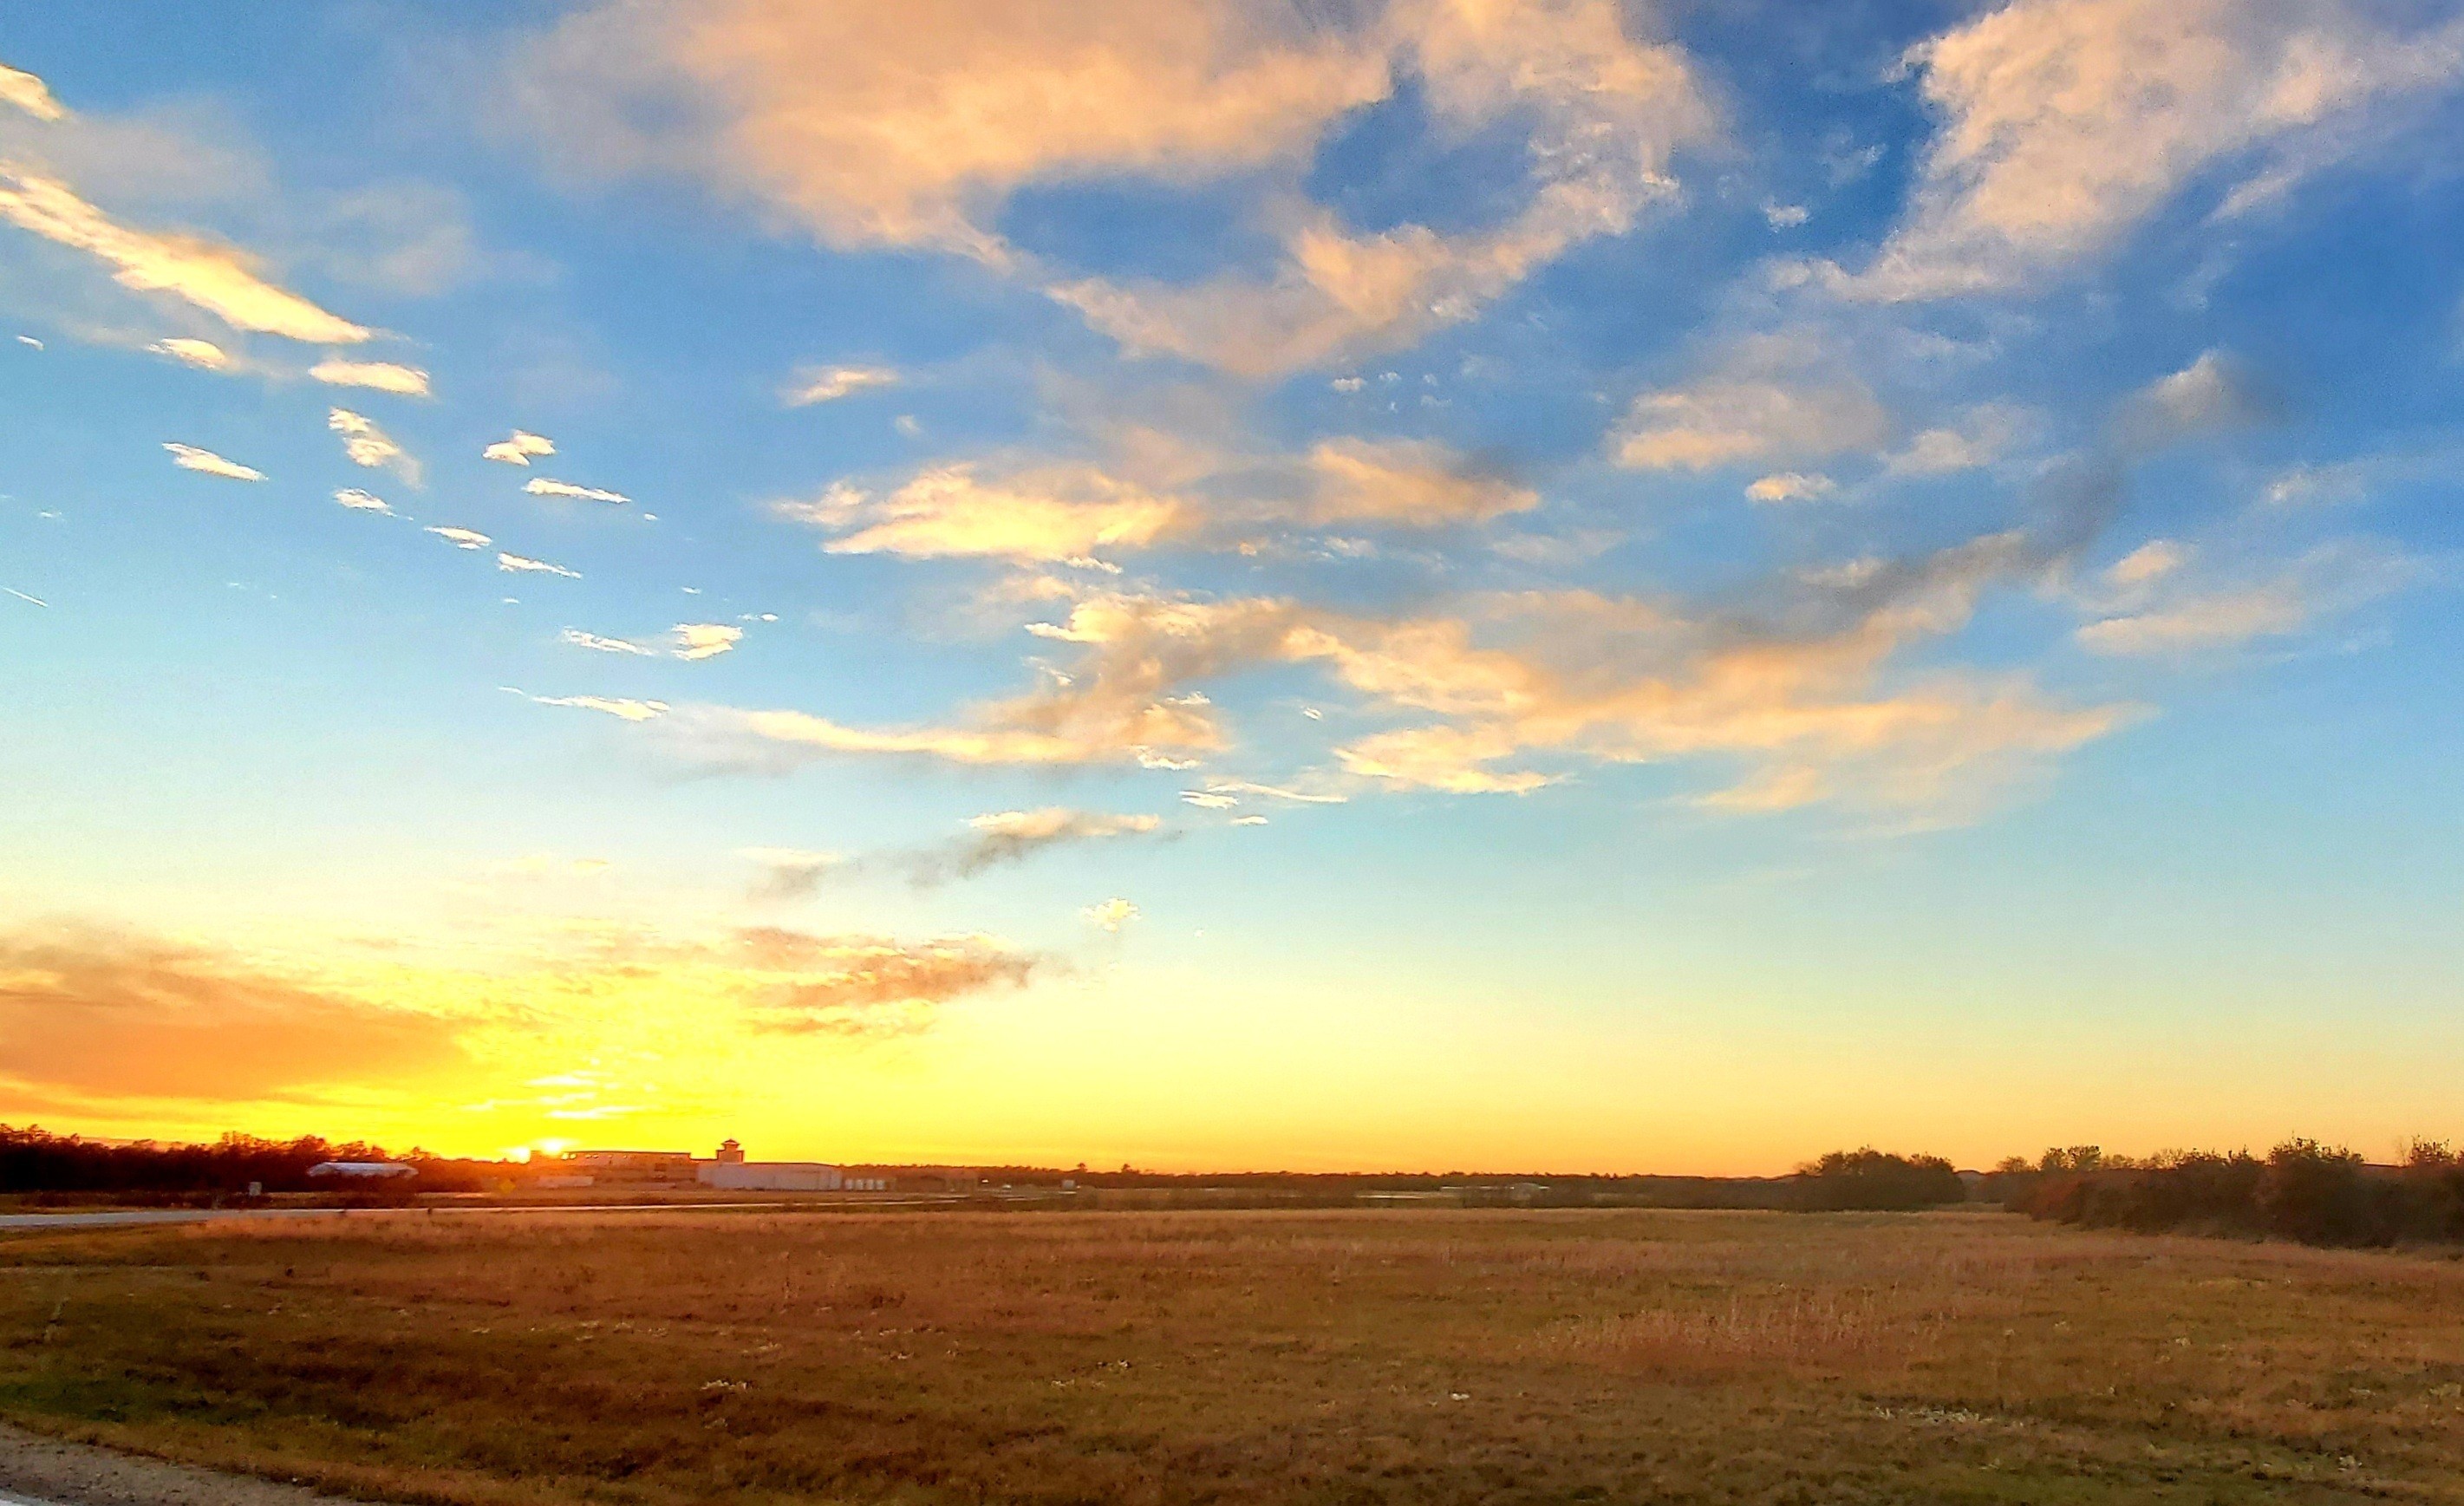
point(36, 1471)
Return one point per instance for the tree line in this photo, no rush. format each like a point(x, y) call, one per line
point(2300, 1190)
point(35, 1160)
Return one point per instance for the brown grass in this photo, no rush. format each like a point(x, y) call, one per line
point(1393, 1356)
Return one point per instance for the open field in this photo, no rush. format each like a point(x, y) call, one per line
point(1390, 1356)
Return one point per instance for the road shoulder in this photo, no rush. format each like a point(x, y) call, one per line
point(54, 1471)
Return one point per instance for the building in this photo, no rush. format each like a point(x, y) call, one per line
point(726, 1170)
point(653, 1168)
point(768, 1176)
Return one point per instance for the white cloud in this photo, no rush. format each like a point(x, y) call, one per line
point(1248, 821)
point(591, 640)
point(2152, 562)
point(1726, 420)
point(2211, 395)
point(1984, 435)
point(2066, 123)
point(28, 94)
point(827, 384)
point(356, 501)
point(365, 444)
point(623, 707)
point(37, 601)
point(543, 486)
point(1110, 915)
point(30, 341)
point(1792, 486)
point(705, 640)
point(2328, 581)
point(519, 450)
point(216, 278)
point(527, 564)
point(381, 375)
point(1784, 216)
point(203, 354)
point(189, 457)
point(461, 538)
point(1349, 384)
point(1209, 800)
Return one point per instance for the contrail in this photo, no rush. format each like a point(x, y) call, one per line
point(23, 597)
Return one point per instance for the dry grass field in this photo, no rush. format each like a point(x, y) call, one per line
point(1422, 1356)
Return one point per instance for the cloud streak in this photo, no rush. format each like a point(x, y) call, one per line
point(205, 462)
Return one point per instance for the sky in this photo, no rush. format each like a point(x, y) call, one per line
point(1535, 584)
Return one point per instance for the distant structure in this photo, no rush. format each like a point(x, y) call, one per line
point(726, 1170)
point(361, 1170)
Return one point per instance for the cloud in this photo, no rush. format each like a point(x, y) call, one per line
point(913, 128)
point(864, 985)
point(1984, 435)
point(2211, 395)
point(624, 708)
point(356, 501)
point(1791, 486)
point(789, 873)
point(364, 444)
point(189, 457)
point(461, 538)
point(381, 375)
point(36, 601)
point(519, 450)
point(2067, 124)
point(543, 486)
point(1012, 836)
point(111, 1016)
point(828, 384)
point(1110, 915)
point(2328, 581)
point(593, 641)
point(705, 640)
point(1799, 683)
point(1729, 419)
point(1053, 513)
point(203, 354)
point(216, 278)
point(28, 94)
point(1406, 483)
point(524, 563)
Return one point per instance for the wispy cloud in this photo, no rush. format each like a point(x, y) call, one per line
point(1792, 486)
point(189, 457)
point(520, 449)
point(705, 640)
point(2180, 614)
point(1053, 513)
point(461, 538)
point(827, 384)
point(37, 601)
point(351, 497)
point(525, 564)
point(203, 354)
point(543, 486)
point(30, 93)
point(1407, 483)
point(789, 873)
point(624, 707)
point(1012, 836)
point(2067, 124)
point(216, 278)
point(603, 645)
point(364, 444)
point(382, 376)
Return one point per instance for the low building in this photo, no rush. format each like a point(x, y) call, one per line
point(770, 1176)
point(634, 1168)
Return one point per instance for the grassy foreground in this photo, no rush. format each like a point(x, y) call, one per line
point(1423, 1357)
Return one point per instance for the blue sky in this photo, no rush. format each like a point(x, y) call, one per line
point(1541, 585)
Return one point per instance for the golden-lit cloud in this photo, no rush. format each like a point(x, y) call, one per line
point(1980, 436)
point(108, 1016)
point(1791, 486)
point(705, 640)
point(203, 354)
point(1050, 513)
point(1752, 413)
point(524, 563)
point(545, 486)
point(518, 448)
point(364, 444)
point(189, 457)
point(382, 376)
point(2067, 124)
point(30, 93)
point(828, 384)
point(1406, 483)
point(913, 129)
point(2156, 609)
point(218, 278)
point(1110, 915)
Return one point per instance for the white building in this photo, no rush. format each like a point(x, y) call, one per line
point(769, 1176)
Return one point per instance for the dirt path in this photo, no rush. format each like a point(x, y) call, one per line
point(46, 1472)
